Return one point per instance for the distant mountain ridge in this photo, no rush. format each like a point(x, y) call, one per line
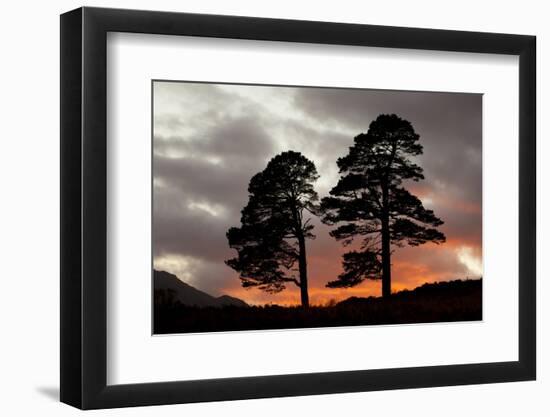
point(189, 295)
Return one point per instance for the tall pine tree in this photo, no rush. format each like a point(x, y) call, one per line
point(370, 202)
point(275, 225)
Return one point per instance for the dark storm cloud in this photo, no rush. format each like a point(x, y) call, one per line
point(204, 155)
point(233, 139)
point(213, 167)
point(209, 140)
point(449, 126)
point(356, 108)
point(203, 182)
point(195, 200)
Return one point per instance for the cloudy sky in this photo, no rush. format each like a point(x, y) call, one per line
point(210, 139)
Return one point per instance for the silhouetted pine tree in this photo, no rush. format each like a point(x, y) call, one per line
point(369, 202)
point(274, 227)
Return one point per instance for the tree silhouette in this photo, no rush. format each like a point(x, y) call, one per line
point(370, 202)
point(273, 232)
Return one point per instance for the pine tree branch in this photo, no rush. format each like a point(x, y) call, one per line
point(293, 280)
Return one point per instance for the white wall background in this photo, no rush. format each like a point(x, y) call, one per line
point(29, 237)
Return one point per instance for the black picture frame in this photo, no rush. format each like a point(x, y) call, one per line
point(84, 207)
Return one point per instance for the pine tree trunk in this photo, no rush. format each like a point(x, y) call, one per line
point(302, 267)
point(386, 264)
point(386, 251)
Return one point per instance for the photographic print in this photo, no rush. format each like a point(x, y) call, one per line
point(280, 207)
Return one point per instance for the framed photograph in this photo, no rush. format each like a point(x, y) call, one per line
point(257, 207)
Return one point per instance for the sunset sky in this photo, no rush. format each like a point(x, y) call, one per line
point(210, 139)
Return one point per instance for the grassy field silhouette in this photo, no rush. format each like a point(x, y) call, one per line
point(459, 300)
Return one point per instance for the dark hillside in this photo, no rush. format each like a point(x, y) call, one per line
point(169, 289)
point(458, 300)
